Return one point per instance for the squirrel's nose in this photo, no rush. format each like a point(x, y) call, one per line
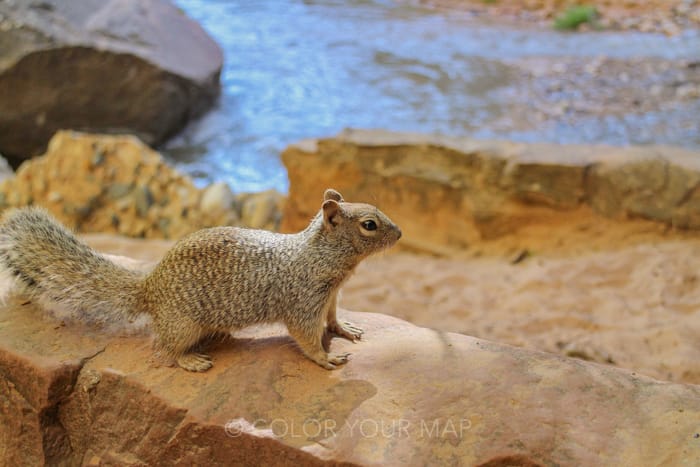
point(398, 230)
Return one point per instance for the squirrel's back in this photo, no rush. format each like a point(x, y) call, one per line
point(52, 266)
point(224, 276)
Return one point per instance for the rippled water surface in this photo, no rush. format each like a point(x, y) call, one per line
point(299, 69)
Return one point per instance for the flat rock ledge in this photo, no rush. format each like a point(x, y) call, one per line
point(449, 194)
point(409, 396)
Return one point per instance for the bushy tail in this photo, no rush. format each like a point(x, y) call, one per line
point(52, 267)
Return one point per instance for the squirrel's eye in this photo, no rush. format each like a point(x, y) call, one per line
point(369, 225)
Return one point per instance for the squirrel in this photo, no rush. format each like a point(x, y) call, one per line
point(214, 280)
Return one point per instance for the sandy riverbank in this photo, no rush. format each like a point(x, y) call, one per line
point(665, 16)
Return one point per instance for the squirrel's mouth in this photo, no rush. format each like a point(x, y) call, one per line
point(391, 241)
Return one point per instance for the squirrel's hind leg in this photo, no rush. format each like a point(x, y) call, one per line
point(177, 340)
point(194, 361)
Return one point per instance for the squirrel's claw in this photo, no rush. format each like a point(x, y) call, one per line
point(333, 361)
point(338, 359)
point(346, 330)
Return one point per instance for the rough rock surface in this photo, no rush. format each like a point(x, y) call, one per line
point(113, 184)
point(454, 194)
point(410, 396)
point(114, 66)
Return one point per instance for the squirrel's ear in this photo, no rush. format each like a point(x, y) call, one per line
point(331, 213)
point(334, 195)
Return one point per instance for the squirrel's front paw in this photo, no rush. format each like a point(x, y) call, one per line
point(346, 330)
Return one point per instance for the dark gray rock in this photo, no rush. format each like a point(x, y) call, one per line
point(109, 66)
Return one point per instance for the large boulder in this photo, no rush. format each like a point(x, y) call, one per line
point(100, 65)
point(453, 194)
point(409, 395)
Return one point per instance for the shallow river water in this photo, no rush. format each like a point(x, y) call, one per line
point(297, 69)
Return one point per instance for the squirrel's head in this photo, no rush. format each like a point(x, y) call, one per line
point(364, 226)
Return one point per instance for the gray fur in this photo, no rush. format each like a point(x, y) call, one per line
point(218, 279)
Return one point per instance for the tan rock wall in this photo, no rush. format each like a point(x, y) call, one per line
point(450, 194)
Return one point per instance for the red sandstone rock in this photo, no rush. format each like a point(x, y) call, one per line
point(409, 395)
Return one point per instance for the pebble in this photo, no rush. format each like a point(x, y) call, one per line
point(54, 197)
point(688, 91)
point(118, 190)
point(216, 198)
point(143, 199)
point(5, 169)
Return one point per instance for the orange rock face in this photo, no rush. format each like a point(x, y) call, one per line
point(112, 184)
point(116, 184)
point(413, 395)
point(409, 395)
